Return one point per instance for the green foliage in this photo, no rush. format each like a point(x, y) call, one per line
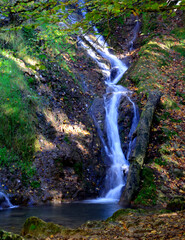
point(180, 34)
point(16, 129)
point(160, 162)
point(149, 23)
point(35, 184)
point(14, 164)
point(147, 194)
point(20, 13)
point(7, 157)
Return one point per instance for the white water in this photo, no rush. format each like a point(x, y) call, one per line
point(5, 202)
point(116, 173)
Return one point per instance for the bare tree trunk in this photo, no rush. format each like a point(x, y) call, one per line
point(138, 156)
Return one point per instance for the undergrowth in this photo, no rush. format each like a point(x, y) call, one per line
point(24, 55)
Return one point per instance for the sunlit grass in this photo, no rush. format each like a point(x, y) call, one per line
point(16, 128)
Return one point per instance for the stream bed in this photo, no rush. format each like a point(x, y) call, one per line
point(67, 214)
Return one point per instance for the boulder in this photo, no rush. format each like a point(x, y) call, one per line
point(35, 227)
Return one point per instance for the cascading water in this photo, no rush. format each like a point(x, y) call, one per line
point(5, 202)
point(119, 165)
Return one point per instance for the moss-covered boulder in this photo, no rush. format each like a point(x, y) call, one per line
point(35, 227)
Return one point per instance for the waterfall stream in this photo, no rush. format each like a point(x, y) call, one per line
point(116, 174)
point(5, 202)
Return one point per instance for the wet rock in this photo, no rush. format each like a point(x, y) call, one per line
point(114, 72)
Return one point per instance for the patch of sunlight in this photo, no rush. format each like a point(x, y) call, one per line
point(169, 103)
point(157, 167)
point(158, 86)
point(9, 110)
point(75, 129)
point(82, 148)
point(170, 159)
point(151, 52)
point(31, 61)
point(51, 117)
point(18, 61)
point(41, 143)
point(161, 45)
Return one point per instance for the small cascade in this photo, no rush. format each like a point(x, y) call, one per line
point(5, 202)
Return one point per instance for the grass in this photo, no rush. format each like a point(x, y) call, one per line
point(25, 54)
point(16, 129)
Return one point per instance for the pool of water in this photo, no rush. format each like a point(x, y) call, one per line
point(67, 214)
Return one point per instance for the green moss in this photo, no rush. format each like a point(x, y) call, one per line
point(123, 212)
point(147, 194)
point(36, 227)
point(160, 161)
point(149, 22)
point(16, 129)
point(179, 33)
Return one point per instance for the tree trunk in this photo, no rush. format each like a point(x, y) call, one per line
point(138, 156)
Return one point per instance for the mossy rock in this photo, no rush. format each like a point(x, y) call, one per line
point(9, 236)
point(37, 227)
point(124, 212)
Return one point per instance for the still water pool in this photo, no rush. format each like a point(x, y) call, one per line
point(67, 214)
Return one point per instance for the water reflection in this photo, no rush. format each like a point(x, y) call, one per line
point(67, 214)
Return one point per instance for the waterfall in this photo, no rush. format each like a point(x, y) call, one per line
point(5, 202)
point(116, 173)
